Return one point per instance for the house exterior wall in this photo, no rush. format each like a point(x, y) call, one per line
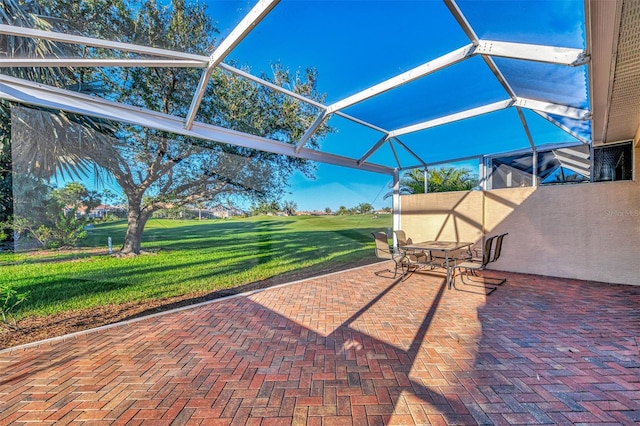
point(583, 231)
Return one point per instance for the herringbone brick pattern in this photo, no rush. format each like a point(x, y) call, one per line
point(349, 348)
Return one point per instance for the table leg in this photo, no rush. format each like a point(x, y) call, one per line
point(446, 262)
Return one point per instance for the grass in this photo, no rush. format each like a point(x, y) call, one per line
point(187, 257)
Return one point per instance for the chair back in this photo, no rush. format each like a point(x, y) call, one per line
point(382, 245)
point(402, 238)
point(486, 253)
point(498, 249)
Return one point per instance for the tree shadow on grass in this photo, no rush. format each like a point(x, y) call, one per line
point(52, 290)
point(62, 289)
point(212, 254)
point(38, 328)
point(207, 232)
point(53, 256)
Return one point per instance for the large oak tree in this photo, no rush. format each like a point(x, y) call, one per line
point(157, 169)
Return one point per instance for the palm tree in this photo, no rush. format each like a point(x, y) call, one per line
point(44, 160)
point(442, 179)
point(26, 156)
point(451, 179)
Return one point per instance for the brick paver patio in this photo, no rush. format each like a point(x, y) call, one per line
point(349, 348)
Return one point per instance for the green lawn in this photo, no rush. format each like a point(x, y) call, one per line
point(187, 257)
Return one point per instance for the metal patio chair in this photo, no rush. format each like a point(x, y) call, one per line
point(465, 267)
point(414, 256)
point(386, 252)
point(498, 249)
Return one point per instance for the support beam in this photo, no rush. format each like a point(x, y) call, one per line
point(395, 154)
point(437, 163)
point(413, 166)
point(413, 154)
point(561, 126)
point(255, 15)
point(362, 122)
point(551, 108)
point(295, 95)
point(404, 78)
point(544, 53)
point(95, 42)
point(269, 84)
point(549, 147)
point(373, 149)
point(199, 61)
point(82, 62)
point(26, 92)
point(496, 106)
point(311, 130)
point(426, 180)
point(525, 126)
point(499, 76)
point(395, 205)
point(482, 175)
point(575, 153)
point(535, 180)
point(532, 52)
point(471, 34)
point(462, 21)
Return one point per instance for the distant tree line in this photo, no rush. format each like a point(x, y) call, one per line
point(362, 208)
point(287, 208)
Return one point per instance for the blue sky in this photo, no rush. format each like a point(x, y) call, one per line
point(359, 43)
point(356, 44)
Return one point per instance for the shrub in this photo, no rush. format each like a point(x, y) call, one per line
point(9, 300)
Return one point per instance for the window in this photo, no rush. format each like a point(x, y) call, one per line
point(564, 165)
point(511, 171)
point(613, 162)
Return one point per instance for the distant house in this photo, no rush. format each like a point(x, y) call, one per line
point(222, 212)
point(313, 213)
point(100, 211)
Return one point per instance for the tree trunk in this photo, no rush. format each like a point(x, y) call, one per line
point(136, 220)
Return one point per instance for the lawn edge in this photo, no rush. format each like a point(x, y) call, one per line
point(53, 340)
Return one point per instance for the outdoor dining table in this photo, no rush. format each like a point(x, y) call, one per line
point(444, 246)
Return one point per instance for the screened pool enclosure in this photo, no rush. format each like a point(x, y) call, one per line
point(410, 83)
point(526, 90)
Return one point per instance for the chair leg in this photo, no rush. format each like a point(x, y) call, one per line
point(487, 292)
point(389, 271)
point(406, 273)
point(401, 265)
point(486, 280)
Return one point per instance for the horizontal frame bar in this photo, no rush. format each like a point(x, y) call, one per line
point(95, 42)
point(404, 78)
point(85, 62)
point(26, 92)
point(473, 112)
point(532, 52)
